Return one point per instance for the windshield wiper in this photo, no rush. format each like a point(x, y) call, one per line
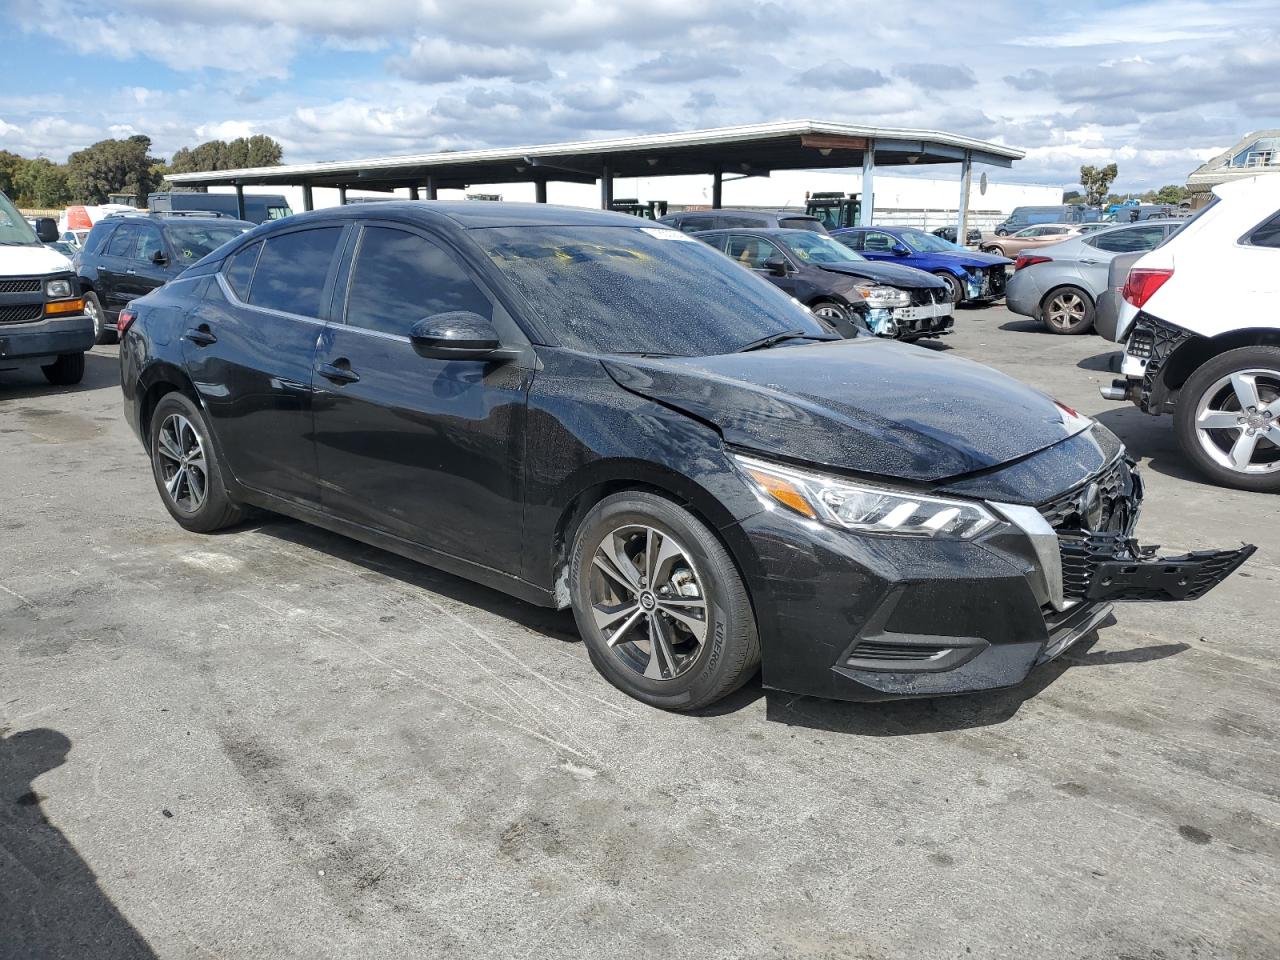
point(776, 338)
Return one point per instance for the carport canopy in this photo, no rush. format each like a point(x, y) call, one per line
point(752, 150)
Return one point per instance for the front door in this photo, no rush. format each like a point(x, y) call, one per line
point(428, 450)
point(142, 272)
point(755, 252)
point(877, 245)
point(250, 346)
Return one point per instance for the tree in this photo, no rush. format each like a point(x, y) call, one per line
point(1170, 193)
point(111, 166)
point(255, 151)
point(10, 164)
point(1097, 181)
point(1072, 196)
point(42, 183)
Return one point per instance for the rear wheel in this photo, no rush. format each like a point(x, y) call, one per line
point(186, 469)
point(954, 287)
point(1228, 419)
point(660, 604)
point(68, 369)
point(1067, 310)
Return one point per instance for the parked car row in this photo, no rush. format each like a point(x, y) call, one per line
point(706, 475)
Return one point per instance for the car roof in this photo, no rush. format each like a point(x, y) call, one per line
point(473, 214)
point(780, 214)
point(781, 232)
point(162, 219)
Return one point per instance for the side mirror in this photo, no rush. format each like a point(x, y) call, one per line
point(159, 259)
point(899, 250)
point(456, 335)
point(777, 266)
point(46, 229)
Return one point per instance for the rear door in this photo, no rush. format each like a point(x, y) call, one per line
point(427, 450)
point(250, 348)
point(113, 264)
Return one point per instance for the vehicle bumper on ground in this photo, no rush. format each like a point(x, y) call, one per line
point(1023, 294)
point(43, 340)
point(875, 618)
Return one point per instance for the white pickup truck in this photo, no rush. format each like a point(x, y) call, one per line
point(42, 319)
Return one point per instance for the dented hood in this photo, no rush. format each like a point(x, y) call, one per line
point(866, 405)
point(908, 278)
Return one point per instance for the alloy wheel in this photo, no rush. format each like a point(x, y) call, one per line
point(829, 311)
point(1238, 421)
point(183, 468)
point(1065, 310)
point(649, 602)
point(91, 311)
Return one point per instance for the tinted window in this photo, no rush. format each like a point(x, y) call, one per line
point(399, 278)
point(149, 243)
point(877, 242)
point(195, 241)
point(801, 223)
point(1128, 241)
point(122, 241)
point(1267, 235)
point(239, 269)
point(751, 251)
point(853, 240)
point(98, 236)
point(740, 221)
point(292, 270)
point(640, 290)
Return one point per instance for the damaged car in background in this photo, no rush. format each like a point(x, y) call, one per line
point(831, 278)
point(617, 419)
point(971, 276)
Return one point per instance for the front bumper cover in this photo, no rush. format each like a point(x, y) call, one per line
point(877, 618)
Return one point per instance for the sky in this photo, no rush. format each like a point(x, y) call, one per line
point(1157, 87)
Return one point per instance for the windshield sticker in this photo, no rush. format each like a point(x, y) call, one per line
point(667, 234)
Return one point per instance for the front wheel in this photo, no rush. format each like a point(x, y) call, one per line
point(67, 370)
point(1228, 419)
point(955, 288)
point(186, 468)
point(846, 322)
point(659, 603)
point(93, 310)
point(1066, 311)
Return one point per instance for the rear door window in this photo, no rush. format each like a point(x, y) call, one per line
point(292, 271)
point(400, 277)
point(123, 241)
point(149, 244)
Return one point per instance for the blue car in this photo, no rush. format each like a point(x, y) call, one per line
point(972, 277)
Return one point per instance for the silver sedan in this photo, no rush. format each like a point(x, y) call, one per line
point(1059, 285)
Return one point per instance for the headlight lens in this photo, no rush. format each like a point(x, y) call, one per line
point(885, 296)
point(57, 289)
point(865, 508)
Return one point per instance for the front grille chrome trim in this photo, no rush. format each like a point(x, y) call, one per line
point(1044, 541)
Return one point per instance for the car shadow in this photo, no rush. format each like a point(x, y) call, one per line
point(554, 624)
point(101, 371)
point(1025, 326)
point(1152, 440)
point(51, 904)
point(1106, 362)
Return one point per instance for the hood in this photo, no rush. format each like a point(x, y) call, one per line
point(966, 258)
point(869, 406)
point(26, 261)
point(908, 278)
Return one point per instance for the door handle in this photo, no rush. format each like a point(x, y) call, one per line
point(1092, 262)
point(201, 336)
point(339, 372)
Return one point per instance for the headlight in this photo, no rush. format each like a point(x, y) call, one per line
point(885, 296)
point(57, 289)
point(866, 508)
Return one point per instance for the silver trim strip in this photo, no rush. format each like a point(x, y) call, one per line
point(1044, 541)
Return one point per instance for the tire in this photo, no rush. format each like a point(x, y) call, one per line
point(199, 506)
point(1210, 389)
point(846, 322)
point(67, 370)
point(93, 310)
point(1067, 311)
point(684, 672)
point(956, 287)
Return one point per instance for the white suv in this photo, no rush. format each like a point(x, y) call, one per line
point(1201, 327)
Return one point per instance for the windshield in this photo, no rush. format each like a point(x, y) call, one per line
point(641, 290)
point(922, 242)
point(817, 248)
point(14, 230)
point(194, 242)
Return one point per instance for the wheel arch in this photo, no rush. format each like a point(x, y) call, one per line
point(605, 478)
point(157, 380)
point(1093, 301)
point(1197, 351)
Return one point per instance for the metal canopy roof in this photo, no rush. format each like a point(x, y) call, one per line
point(753, 150)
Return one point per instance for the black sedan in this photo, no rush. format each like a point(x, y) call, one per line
point(588, 411)
point(973, 235)
point(834, 281)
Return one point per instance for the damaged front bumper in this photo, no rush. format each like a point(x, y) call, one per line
point(865, 618)
point(909, 323)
